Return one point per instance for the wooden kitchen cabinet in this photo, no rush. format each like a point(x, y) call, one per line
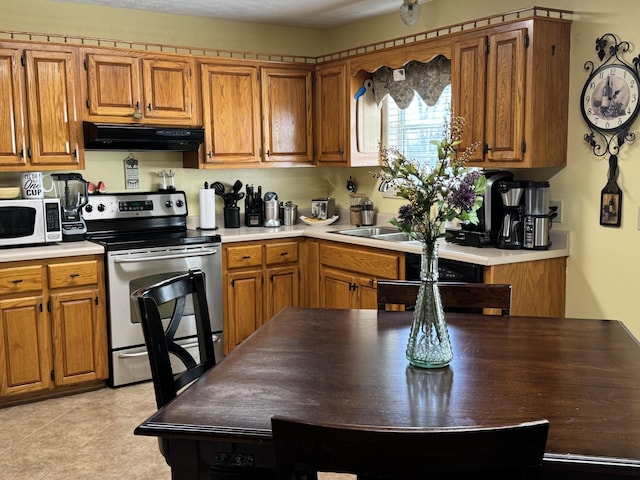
point(231, 104)
point(259, 278)
point(53, 330)
point(39, 91)
point(127, 87)
point(511, 84)
point(349, 274)
point(331, 114)
point(287, 122)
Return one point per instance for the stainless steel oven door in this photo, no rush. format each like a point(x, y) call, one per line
point(129, 270)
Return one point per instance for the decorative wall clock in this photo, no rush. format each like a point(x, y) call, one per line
point(610, 102)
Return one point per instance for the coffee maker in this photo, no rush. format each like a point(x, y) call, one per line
point(73, 192)
point(511, 231)
point(537, 216)
point(485, 232)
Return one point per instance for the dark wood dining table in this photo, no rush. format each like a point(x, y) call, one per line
point(349, 366)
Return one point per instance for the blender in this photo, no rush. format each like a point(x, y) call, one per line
point(511, 232)
point(73, 192)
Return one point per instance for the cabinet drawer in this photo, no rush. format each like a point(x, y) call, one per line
point(285, 252)
point(20, 279)
point(244, 256)
point(369, 262)
point(73, 274)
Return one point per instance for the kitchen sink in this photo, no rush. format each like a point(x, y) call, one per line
point(390, 234)
point(368, 231)
point(394, 237)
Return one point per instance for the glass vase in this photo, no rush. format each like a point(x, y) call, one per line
point(429, 345)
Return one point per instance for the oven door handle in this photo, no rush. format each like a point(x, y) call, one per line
point(215, 339)
point(151, 258)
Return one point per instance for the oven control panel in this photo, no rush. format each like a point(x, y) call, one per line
point(135, 205)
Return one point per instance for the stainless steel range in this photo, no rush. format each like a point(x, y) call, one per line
point(146, 240)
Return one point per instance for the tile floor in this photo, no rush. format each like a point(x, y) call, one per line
point(85, 436)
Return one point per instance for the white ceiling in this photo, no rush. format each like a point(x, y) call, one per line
point(298, 13)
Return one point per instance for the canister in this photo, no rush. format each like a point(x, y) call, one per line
point(290, 213)
point(368, 215)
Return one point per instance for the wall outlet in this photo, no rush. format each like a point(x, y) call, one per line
point(558, 217)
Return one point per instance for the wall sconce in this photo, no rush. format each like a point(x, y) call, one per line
point(409, 12)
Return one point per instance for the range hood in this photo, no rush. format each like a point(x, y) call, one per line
point(105, 136)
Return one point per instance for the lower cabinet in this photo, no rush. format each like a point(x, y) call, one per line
point(53, 331)
point(260, 278)
point(349, 274)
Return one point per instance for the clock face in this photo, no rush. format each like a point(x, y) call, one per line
point(610, 98)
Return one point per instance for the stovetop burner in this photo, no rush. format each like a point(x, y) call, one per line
point(122, 221)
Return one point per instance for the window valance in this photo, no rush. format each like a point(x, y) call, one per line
point(426, 79)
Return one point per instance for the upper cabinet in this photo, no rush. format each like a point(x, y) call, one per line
point(123, 87)
point(38, 109)
point(287, 122)
point(231, 114)
point(331, 114)
point(511, 84)
point(254, 116)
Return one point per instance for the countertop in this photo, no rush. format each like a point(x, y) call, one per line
point(54, 250)
point(480, 256)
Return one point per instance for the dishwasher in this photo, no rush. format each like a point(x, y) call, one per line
point(448, 271)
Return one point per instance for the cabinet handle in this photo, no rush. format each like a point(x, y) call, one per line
point(149, 107)
point(246, 257)
point(22, 153)
point(210, 154)
point(268, 153)
point(74, 275)
point(284, 253)
point(16, 281)
point(74, 153)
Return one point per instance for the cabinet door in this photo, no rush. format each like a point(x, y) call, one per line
point(54, 129)
point(244, 305)
point(231, 100)
point(167, 86)
point(506, 65)
point(337, 289)
point(367, 293)
point(287, 115)
point(12, 110)
point(25, 346)
point(468, 89)
point(282, 289)
point(79, 337)
point(331, 114)
point(113, 86)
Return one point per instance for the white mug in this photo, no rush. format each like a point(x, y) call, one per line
point(32, 185)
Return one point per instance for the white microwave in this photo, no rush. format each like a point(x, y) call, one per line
point(29, 222)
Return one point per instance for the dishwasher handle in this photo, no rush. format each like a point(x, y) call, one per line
point(144, 257)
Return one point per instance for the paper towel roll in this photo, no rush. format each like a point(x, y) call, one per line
point(207, 209)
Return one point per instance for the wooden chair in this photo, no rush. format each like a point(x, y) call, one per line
point(504, 452)
point(161, 345)
point(458, 296)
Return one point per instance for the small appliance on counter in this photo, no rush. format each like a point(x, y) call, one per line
point(537, 216)
point(511, 232)
point(271, 210)
point(73, 192)
point(253, 207)
point(288, 213)
point(490, 214)
point(323, 208)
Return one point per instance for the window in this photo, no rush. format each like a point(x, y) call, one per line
point(412, 129)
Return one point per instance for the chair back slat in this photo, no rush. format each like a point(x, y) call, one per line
point(511, 451)
point(454, 295)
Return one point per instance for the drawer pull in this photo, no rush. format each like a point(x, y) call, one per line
point(16, 281)
point(74, 275)
point(246, 257)
point(284, 253)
